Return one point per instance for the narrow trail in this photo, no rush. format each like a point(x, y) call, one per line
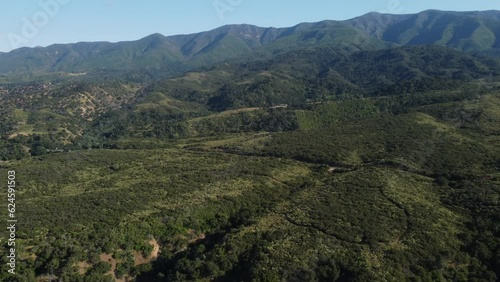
point(408, 225)
point(139, 259)
point(334, 168)
point(319, 229)
point(340, 169)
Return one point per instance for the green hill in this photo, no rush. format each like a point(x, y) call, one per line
point(476, 32)
point(467, 31)
point(319, 152)
point(175, 54)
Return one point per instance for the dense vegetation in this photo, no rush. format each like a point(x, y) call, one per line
point(326, 162)
point(473, 32)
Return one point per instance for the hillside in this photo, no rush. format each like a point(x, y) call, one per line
point(349, 192)
point(175, 54)
point(466, 31)
point(330, 151)
point(476, 32)
point(84, 110)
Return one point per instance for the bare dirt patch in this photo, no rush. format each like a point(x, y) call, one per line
point(109, 259)
point(140, 259)
point(83, 266)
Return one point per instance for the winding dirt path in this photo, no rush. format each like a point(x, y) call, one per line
point(139, 259)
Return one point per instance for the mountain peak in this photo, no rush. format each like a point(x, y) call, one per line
point(155, 36)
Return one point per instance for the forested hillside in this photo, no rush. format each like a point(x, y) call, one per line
point(473, 32)
point(320, 159)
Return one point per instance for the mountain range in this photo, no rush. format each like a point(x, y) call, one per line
point(358, 150)
point(474, 32)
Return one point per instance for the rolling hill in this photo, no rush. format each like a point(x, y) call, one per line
point(363, 150)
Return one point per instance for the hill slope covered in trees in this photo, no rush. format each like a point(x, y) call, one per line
point(322, 160)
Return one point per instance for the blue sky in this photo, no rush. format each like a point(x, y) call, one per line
point(44, 22)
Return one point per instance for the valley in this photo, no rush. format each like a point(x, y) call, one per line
point(330, 151)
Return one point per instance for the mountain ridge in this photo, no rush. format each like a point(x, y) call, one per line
point(477, 31)
point(318, 153)
point(493, 13)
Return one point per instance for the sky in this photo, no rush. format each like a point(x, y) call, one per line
point(43, 22)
